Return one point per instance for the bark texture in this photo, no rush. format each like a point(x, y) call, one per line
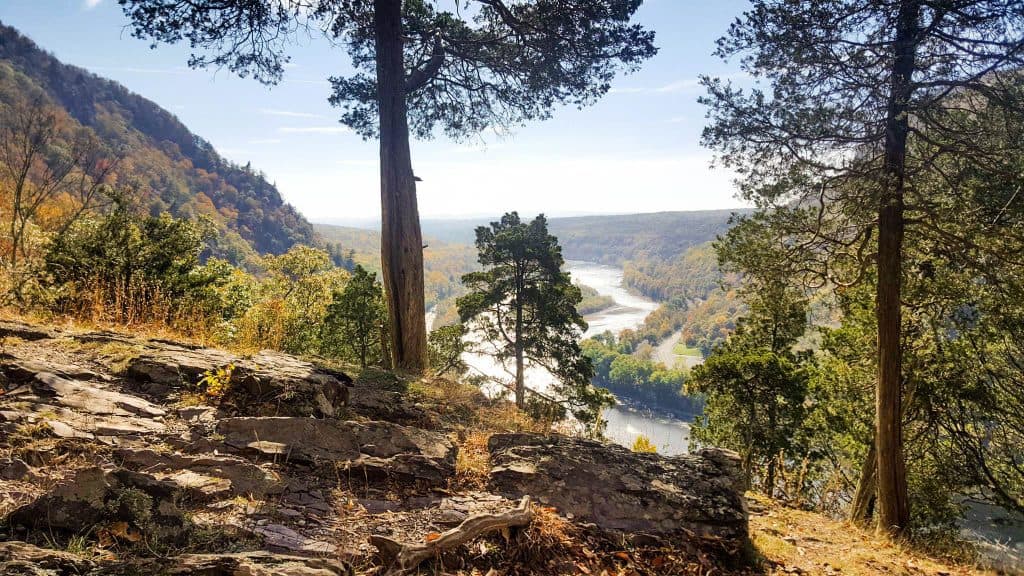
point(893, 508)
point(401, 239)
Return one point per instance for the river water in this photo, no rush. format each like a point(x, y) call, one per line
point(625, 423)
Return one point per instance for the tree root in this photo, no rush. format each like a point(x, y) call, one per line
point(403, 558)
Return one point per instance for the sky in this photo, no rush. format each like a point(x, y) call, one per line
point(636, 150)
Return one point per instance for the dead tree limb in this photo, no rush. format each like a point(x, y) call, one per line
point(403, 558)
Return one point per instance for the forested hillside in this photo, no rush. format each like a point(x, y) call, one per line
point(444, 263)
point(162, 165)
point(657, 237)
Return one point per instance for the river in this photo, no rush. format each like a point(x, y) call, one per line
point(669, 435)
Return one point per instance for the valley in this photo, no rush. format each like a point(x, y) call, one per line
point(622, 295)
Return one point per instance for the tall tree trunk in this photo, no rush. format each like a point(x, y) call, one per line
point(860, 508)
point(520, 364)
point(401, 240)
point(769, 480)
point(893, 506)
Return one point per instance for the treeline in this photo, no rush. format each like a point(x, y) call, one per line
point(619, 239)
point(146, 271)
point(626, 369)
point(593, 301)
point(444, 264)
point(78, 239)
point(697, 297)
point(168, 168)
point(689, 276)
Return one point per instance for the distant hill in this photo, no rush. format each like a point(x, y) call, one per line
point(618, 239)
point(170, 168)
point(444, 263)
point(610, 239)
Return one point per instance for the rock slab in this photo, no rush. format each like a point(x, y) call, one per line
point(94, 496)
point(23, 558)
point(379, 447)
point(637, 496)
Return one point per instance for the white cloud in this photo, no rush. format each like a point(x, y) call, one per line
point(179, 70)
point(289, 113)
point(684, 85)
point(313, 129)
point(90, 4)
point(679, 86)
point(260, 141)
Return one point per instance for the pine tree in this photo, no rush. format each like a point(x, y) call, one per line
point(524, 305)
point(861, 100)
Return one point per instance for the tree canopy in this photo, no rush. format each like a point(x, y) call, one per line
point(858, 103)
point(524, 305)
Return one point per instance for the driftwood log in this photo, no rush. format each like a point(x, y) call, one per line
point(402, 558)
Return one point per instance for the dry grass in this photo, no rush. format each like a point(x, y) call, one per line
point(474, 462)
point(795, 541)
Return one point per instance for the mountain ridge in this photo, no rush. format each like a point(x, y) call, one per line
point(177, 171)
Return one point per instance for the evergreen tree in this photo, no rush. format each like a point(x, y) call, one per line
point(419, 68)
point(755, 385)
point(446, 347)
point(352, 327)
point(524, 306)
point(863, 100)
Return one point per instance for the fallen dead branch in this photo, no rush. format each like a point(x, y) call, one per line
point(401, 558)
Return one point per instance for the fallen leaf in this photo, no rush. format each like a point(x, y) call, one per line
point(122, 531)
point(432, 536)
point(622, 556)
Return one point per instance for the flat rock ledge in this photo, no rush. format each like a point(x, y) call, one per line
point(25, 559)
point(377, 448)
point(641, 498)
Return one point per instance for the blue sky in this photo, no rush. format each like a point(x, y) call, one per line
point(637, 150)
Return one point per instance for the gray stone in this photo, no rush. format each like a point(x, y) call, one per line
point(9, 328)
point(205, 476)
point(87, 397)
point(16, 469)
point(247, 564)
point(280, 536)
point(292, 387)
point(631, 495)
point(376, 447)
point(94, 495)
point(28, 560)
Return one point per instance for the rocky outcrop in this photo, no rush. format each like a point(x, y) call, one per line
point(94, 496)
point(291, 387)
point(28, 560)
point(380, 448)
point(635, 496)
point(204, 477)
